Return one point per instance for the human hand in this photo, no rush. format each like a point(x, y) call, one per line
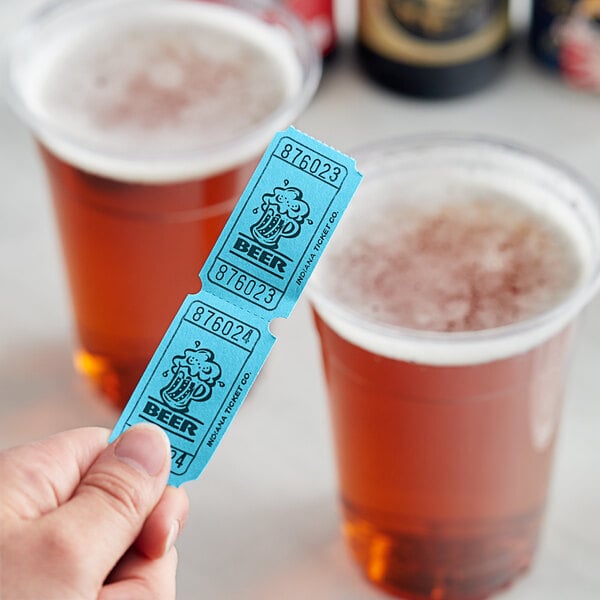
point(81, 520)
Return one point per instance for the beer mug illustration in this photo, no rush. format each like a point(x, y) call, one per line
point(284, 211)
point(194, 376)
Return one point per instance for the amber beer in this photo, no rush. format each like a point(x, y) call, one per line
point(133, 252)
point(445, 310)
point(150, 116)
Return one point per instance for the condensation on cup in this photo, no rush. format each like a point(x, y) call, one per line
point(446, 306)
point(150, 116)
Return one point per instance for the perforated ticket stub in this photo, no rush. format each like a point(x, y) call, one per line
point(220, 338)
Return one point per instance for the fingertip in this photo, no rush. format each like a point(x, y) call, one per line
point(145, 447)
point(164, 525)
point(172, 536)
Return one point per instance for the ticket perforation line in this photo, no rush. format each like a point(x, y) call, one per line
point(219, 339)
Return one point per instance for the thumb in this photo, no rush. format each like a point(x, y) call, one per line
point(114, 498)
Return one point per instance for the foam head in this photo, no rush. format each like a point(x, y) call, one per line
point(160, 90)
point(459, 251)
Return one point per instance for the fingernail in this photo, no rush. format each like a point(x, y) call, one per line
point(173, 533)
point(144, 447)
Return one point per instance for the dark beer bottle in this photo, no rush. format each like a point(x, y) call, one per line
point(433, 48)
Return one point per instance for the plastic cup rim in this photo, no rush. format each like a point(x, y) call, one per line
point(551, 319)
point(253, 139)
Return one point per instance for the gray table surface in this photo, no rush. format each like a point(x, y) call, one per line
point(264, 516)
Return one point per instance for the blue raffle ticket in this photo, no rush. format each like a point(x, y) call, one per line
point(219, 339)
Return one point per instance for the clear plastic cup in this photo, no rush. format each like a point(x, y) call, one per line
point(150, 116)
point(444, 435)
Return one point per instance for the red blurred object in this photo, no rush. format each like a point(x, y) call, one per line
point(579, 52)
point(318, 16)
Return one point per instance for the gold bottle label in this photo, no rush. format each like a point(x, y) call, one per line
point(433, 33)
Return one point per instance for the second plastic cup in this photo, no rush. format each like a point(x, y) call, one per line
point(150, 116)
point(445, 307)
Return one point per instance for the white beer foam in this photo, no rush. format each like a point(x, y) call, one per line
point(483, 170)
point(61, 47)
